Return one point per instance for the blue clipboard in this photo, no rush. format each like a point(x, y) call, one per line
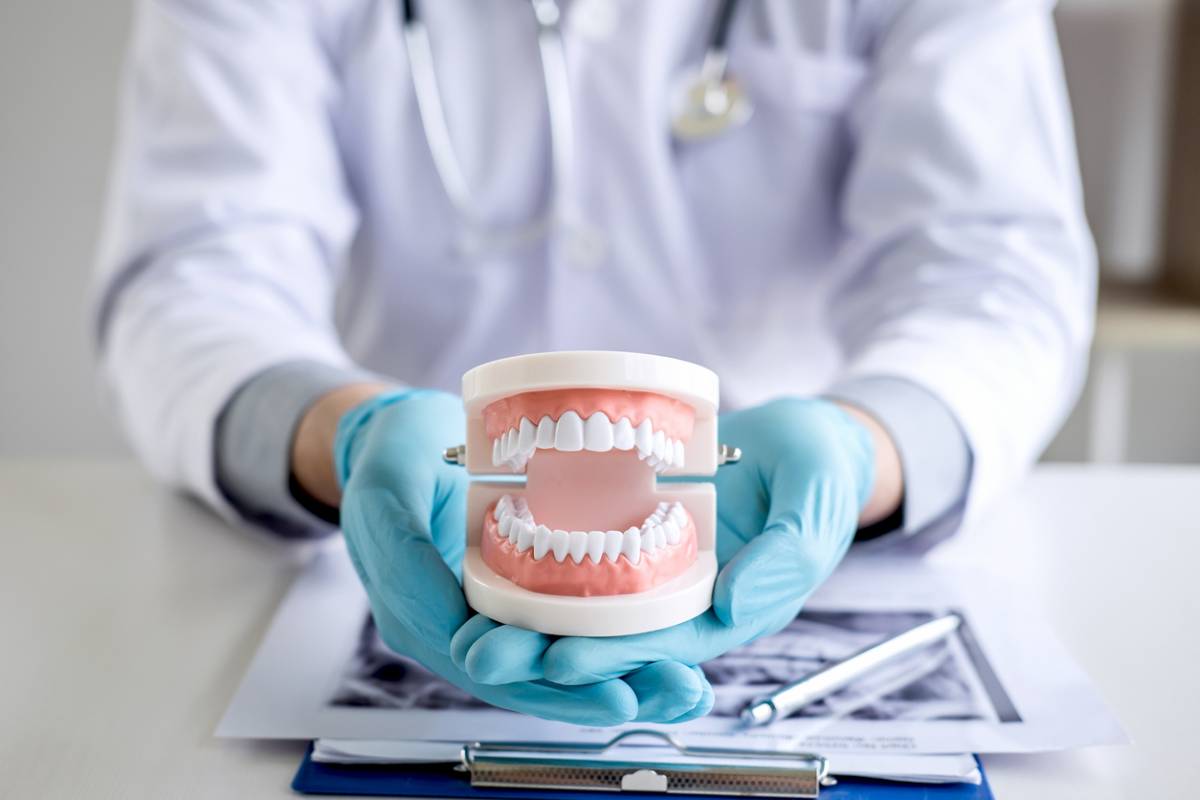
point(405, 780)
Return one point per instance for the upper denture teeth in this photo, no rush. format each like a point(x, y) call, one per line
point(545, 433)
point(525, 436)
point(644, 438)
point(598, 433)
point(623, 437)
point(568, 433)
point(660, 441)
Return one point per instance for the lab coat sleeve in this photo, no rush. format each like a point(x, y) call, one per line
point(254, 443)
point(227, 219)
point(969, 268)
point(934, 456)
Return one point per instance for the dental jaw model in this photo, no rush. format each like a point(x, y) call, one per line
point(590, 544)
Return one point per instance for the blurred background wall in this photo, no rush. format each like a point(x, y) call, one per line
point(59, 66)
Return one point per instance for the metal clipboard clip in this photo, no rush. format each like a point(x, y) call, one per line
point(576, 766)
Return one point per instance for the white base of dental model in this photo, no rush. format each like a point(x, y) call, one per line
point(667, 604)
point(676, 600)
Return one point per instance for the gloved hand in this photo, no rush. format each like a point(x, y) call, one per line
point(786, 515)
point(403, 512)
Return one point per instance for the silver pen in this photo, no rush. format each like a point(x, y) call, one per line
point(792, 697)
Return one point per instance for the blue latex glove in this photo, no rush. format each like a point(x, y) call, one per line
point(403, 512)
point(786, 515)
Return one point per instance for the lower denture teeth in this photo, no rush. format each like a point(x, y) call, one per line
point(631, 545)
point(525, 538)
point(577, 546)
point(559, 542)
point(595, 546)
point(662, 528)
point(612, 544)
point(541, 541)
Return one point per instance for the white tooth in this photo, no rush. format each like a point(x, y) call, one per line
point(525, 437)
point(678, 453)
point(559, 542)
point(578, 545)
point(612, 544)
point(660, 444)
point(669, 452)
point(510, 444)
point(541, 541)
point(660, 509)
point(518, 530)
point(671, 529)
point(660, 536)
point(496, 459)
point(525, 537)
point(631, 545)
point(644, 438)
point(504, 505)
point(519, 505)
point(595, 546)
point(598, 433)
point(623, 438)
point(568, 435)
point(506, 523)
point(518, 462)
point(649, 542)
point(678, 514)
point(545, 433)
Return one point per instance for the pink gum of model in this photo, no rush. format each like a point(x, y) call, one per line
point(667, 414)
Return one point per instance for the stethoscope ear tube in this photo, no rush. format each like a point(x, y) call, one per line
point(710, 104)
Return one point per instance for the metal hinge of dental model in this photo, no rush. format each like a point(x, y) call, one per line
point(726, 454)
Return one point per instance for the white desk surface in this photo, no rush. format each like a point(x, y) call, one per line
point(128, 617)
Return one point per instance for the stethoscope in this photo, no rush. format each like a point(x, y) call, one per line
point(708, 104)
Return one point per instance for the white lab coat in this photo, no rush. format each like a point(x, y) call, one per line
point(904, 202)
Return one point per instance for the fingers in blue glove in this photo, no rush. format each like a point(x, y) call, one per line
point(494, 654)
point(772, 570)
point(669, 691)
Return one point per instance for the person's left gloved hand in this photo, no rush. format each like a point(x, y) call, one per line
point(786, 515)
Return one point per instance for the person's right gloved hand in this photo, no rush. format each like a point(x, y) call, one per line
point(403, 512)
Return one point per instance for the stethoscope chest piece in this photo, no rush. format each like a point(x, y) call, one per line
point(709, 106)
